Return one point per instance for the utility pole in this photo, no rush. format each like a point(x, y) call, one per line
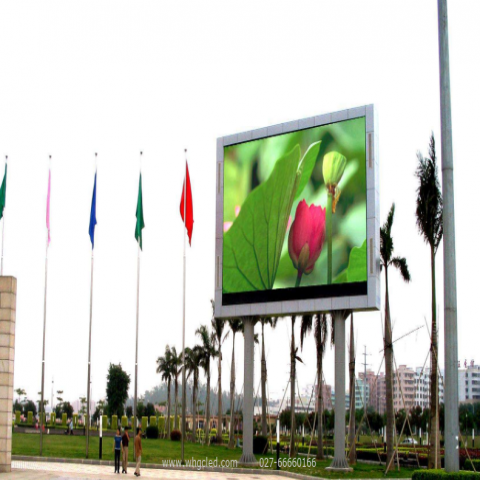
point(449, 261)
point(365, 380)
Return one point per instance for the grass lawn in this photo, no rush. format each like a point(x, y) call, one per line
point(155, 451)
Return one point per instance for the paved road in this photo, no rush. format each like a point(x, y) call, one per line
point(22, 470)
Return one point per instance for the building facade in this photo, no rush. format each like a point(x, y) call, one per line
point(469, 383)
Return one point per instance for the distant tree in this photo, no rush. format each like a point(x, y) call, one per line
point(68, 409)
point(96, 414)
point(236, 326)
point(192, 364)
point(29, 406)
point(21, 393)
point(129, 411)
point(140, 410)
point(208, 352)
point(429, 214)
point(165, 369)
point(83, 409)
point(149, 410)
point(17, 406)
point(415, 417)
point(118, 382)
point(218, 327)
point(375, 420)
point(400, 263)
point(399, 420)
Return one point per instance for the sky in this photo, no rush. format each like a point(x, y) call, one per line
point(120, 77)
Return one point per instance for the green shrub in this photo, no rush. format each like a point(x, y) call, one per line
point(134, 425)
point(104, 422)
point(441, 475)
point(114, 424)
point(175, 435)
point(18, 414)
point(161, 424)
point(153, 421)
point(151, 431)
point(64, 420)
point(30, 418)
point(75, 420)
point(144, 424)
point(124, 421)
point(469, 464)
point(53, 419)
point(213, 432)
point(260, 444)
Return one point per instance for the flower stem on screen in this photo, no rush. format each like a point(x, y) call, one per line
point(329, 237)
point(299, 279)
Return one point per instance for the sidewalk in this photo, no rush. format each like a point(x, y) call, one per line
point(48, 470)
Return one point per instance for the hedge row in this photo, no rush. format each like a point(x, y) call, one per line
point(441, 475)
point(469, 464)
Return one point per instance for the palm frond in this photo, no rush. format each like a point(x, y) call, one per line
point(305, 327)
point(386, 240)
point(401, 264)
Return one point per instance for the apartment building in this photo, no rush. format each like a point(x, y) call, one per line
point(469, 383)
point(404, 388)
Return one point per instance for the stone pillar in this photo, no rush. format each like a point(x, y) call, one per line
point(247, 455)
point(339, 462)
point(8, 303)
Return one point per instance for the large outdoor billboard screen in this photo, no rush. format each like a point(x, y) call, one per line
point(294, 219)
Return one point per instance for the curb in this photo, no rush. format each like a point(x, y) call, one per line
point(157, 466)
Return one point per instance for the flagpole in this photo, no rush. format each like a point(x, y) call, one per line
point(3, 224)
point(42, 408)
point(87, 419)
point(136, 337)
point(184, 389)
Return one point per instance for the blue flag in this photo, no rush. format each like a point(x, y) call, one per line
point(93, 212)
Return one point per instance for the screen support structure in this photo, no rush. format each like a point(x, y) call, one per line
point(339, 462)
point(248, 458)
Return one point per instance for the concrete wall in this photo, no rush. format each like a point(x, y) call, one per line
point(8, 303)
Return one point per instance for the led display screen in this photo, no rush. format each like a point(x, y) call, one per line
point(295, 215)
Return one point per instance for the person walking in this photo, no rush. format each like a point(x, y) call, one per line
point(117, 445)
point(71, 427)
point(125, 440)
point(138, 450)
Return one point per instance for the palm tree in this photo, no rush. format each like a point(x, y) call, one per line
point(293, 360)
point(164, 367)
point(176, 368)
point(400, 263)
point(272, 322)
point(320, 327)
point(218, 326)
point(430, 224)
point(192, 364)
point(236, 325)
point(208, 351)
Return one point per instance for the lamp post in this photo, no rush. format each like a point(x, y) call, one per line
point(100, 436)
point(278, 443)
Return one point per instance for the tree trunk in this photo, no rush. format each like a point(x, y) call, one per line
point(320, 455)
point(388, 349)
point(176, 404)
point(352, 456)
point(292, 393)
point(231, 438)
point(434, 437)
point(168, 408)
point(194, 408)
point(220, 407)
point(264, 385)
point(207, 423)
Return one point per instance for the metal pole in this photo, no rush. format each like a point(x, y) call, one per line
point(184, 389)
point(87, 422)
point(449, 262)
point(42, 408)
point(136, 352)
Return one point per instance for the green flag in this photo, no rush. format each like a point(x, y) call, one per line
point(140, 223)
point(3, 193)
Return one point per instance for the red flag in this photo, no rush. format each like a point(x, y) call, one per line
point(189, 209)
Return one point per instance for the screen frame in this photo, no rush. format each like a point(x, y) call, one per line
point(362, 300)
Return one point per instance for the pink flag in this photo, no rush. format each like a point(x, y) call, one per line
point(48, 207)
